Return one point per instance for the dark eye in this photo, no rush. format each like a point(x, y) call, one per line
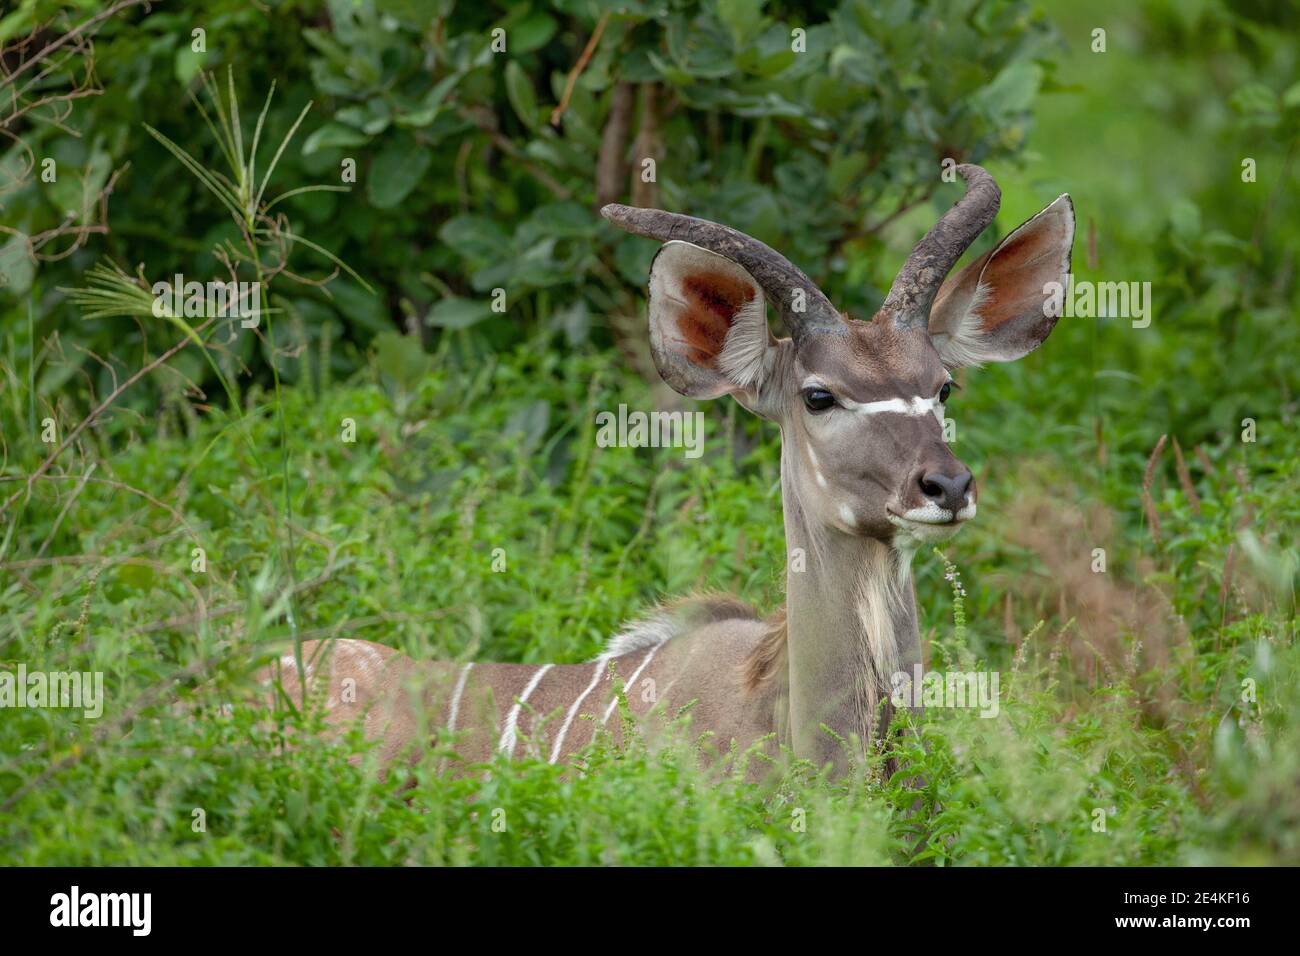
point(945, 391)
point(818, 399)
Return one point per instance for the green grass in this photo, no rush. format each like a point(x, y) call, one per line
point(395, 534)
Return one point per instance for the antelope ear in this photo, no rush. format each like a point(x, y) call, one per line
point(998, 308)
point(708, 324)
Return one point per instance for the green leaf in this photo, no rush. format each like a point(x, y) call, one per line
point(455, 312)
point(844, 169)
point(16, 267)
point(396, 171)
point(332, 136)
point(527, 425)
point(632, 256)
point(1011, 91)
point(753, 62)
point(475, 237)
point(743, 18)
point(1257, 103)
point(358, 307)
point(673, 74)
point(431, 106)
point(136, 576)
point(519, 90)
point(565, 219)
point(354, 116)
point(531, 33)
point(188, 64)
point(1185, 218)
point(401, 359)
point(574, 321)
point(75, 187)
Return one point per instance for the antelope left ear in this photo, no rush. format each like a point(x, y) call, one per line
point(708, 324)
point(998, 308)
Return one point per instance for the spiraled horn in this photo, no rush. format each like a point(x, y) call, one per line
point(778, 277)
point(917, 283)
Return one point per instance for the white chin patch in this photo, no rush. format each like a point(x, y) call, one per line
point(930, 523)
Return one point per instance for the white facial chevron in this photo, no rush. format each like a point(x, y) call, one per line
point(916, 405)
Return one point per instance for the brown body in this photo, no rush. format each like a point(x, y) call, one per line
point(408, 705)
point(867, 478)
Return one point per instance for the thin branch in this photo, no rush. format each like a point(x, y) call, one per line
point(611, 162)
point(113, 396)
point(510, 149)
point(581, 65)
point(71, 35)
point(67, 506)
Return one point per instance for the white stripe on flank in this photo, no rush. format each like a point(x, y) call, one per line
point(573, 711)
point(631, 680)
point(455, 697)
point(507, 742)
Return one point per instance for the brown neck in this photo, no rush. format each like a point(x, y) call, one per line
point(851, 624)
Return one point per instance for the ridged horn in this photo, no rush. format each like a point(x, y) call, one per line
point(917, 283)
point(776, 275)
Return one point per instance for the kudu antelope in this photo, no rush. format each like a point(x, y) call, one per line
point(866, 478)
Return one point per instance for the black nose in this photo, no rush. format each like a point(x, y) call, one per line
point(947, 491)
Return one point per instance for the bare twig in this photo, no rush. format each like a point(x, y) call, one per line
point(121, 486)
point(611, 163)
point(1149, 476)
point(71, 35)
point(1225, 590)
point(503, 143)
point(1185, 479)
point(99, 410)
point(63, 512)
point(1207, 466)
point(1243, 483)
point(581, 65)
point(905, 205)
point(1148, 503)
point(647, 146)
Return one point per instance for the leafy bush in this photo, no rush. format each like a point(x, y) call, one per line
point(464, 185)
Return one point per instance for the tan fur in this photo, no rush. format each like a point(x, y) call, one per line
point(767, 661)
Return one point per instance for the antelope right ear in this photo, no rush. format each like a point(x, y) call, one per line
point(995, 309)
point(708, 324)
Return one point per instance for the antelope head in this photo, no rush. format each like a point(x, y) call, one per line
point(860, 404)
